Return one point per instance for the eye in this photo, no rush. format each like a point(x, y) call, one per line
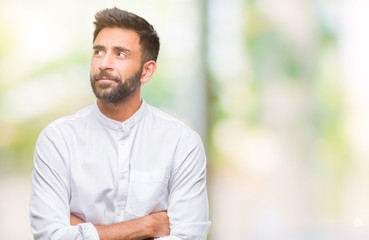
point(98, 52)
point(121, 54)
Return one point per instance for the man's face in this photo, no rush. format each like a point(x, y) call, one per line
point(116, 67)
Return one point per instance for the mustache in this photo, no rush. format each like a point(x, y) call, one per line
point(107, 75)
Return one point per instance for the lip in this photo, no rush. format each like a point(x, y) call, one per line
point(105, 80)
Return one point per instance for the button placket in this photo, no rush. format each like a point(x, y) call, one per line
point(123, 157)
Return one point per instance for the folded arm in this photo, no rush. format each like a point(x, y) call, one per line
point(147, 227)
point(50, 211)
point(188, 209)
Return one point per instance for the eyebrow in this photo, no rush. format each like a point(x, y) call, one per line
point(116, 48)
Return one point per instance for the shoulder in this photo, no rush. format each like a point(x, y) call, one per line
point(67, 123)
point(168, 123)
point(158, 116)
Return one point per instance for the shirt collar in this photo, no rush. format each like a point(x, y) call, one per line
point(125, 125)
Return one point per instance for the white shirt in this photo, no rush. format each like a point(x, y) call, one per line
point(105, 171)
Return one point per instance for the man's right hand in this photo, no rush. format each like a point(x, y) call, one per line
point(74, 220)
point(155, 225)
point(158, 224)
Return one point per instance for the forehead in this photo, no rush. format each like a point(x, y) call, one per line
point(118, 37)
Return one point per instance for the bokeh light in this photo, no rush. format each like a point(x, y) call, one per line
point(276, 89)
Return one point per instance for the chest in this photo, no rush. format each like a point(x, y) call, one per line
point(119, 177)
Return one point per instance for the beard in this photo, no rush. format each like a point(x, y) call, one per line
point(107, 93)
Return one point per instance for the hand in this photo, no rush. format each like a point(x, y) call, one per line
point(159, 224)
point(74, 220)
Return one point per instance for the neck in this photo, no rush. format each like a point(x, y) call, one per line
point(121, 111)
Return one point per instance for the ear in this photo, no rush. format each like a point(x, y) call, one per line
point(148, 70)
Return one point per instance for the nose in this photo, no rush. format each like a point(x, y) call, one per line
point(107, 63)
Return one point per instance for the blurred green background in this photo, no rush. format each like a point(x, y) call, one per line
point(278, 90)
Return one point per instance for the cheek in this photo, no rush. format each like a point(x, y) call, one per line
point(127, 69)
point(121, 72)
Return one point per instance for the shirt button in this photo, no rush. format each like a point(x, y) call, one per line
point(119, 213)
point(121, 142)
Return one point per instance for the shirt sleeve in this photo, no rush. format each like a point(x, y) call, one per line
point(188, 209)
point(49, 207)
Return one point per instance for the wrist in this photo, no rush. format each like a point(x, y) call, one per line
point(149, 223)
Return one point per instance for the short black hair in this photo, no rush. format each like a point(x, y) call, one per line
point(115, 17)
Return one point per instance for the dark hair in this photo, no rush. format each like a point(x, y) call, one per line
point(114, 17)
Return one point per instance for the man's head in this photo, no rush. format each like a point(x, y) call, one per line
point(125, 52)
point(114, 17)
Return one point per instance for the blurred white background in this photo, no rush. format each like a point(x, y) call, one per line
point(278, 91)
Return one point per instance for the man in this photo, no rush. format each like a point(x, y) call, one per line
point(119, 168)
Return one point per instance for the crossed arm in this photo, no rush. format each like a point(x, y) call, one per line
point(50, 200)
point(152, 226)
